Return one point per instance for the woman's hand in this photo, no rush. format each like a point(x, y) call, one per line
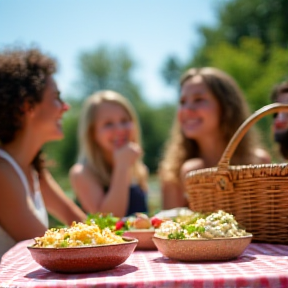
point(127, 155)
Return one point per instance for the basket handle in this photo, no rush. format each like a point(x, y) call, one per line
point(237, 137)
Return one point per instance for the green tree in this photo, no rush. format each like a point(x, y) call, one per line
point(105, 68)
point(264, 20)
point(171, 70)
point(156, 125)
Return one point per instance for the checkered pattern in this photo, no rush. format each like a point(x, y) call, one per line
point(261, 265)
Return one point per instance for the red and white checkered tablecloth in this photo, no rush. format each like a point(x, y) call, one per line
point(261, 265)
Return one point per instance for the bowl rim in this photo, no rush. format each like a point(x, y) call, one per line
point(129, 240)
point(139, 231)
point(208, 239)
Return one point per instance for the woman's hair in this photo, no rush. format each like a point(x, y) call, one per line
point(89, 151)
point(283, 138)
point(278, 90)
point(234, 111)
point(23, 76)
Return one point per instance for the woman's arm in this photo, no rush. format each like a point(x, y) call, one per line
point(173, 194)
point(91, 194)
point(16, 216)
point(191, 165)
point(57, 203)
point(263, 156)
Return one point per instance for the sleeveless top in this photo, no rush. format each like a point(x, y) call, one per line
point(137, 200)
point(35, 202)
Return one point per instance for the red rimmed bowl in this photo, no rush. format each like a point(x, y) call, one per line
point(144, 237)
point(197, 250)
point(84, 259)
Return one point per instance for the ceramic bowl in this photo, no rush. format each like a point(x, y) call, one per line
point(192, 250)
point(83, 259)
point(144, 237)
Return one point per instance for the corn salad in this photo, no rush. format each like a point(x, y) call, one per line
point(79, 234)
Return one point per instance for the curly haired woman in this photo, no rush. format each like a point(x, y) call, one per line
point(30, 116)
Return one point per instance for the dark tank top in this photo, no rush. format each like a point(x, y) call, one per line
point(137, 200)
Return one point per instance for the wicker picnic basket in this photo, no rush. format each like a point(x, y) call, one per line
point(257, 195)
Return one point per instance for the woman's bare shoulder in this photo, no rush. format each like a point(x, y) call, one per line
point(79, 170)
point(11, 184)
point(81, 173)
point(263, 156)
point(191, 164)
point(8, 174)
point(81, 176)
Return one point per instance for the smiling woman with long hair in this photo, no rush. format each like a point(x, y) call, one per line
point(211, 108)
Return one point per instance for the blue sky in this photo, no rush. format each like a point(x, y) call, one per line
point(150, 29)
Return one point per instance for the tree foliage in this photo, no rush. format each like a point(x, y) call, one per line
point(105, 68)
point(266, 20)
point(156, 123)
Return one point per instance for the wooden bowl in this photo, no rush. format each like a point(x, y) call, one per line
point(85, 258)
point(192, 250)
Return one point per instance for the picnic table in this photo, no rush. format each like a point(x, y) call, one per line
point(260, 265)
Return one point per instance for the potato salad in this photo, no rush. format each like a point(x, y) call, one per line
point(215, 225)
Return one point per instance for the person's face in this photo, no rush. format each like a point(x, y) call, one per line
point(113, 127)
point(47, 115)
point(280, 123)
point(199, 111)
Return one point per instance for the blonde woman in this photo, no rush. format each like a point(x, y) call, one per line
point(109, 175)
point(211, 108)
